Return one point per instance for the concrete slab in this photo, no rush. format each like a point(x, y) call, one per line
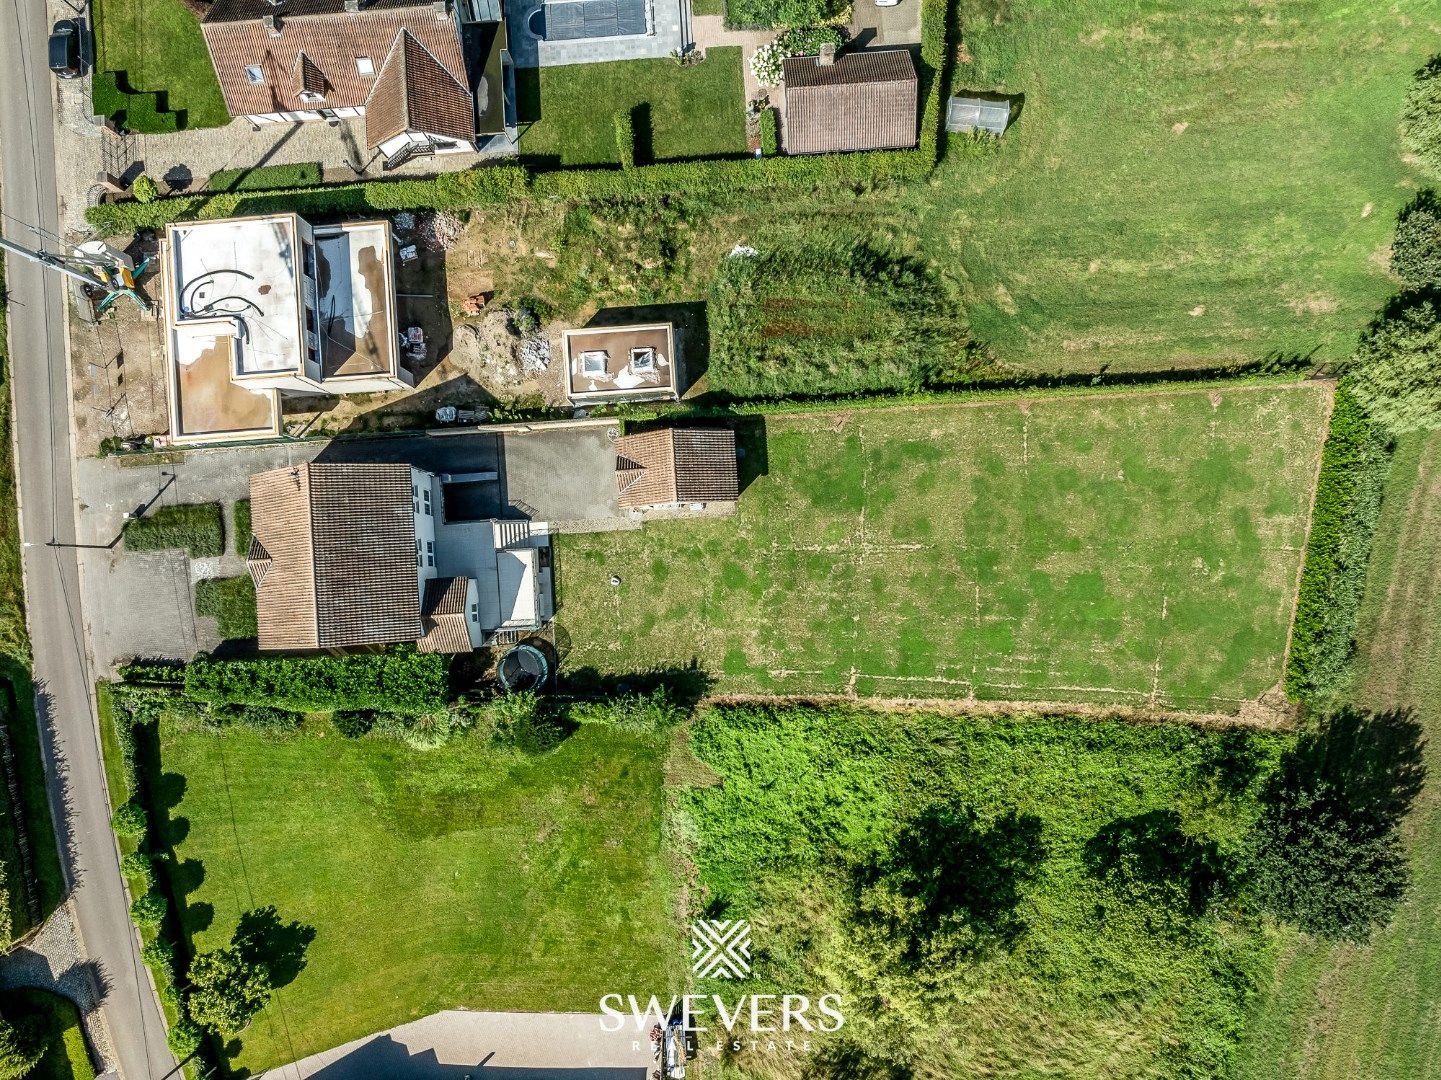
point(458, 1044)
point(889, 26)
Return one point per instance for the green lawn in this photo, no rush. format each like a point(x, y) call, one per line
point(455, 877)
point(1186, 182)
point(1078, 968)
point(158, 46)
point(1369, 1013)
point(1134, 549)
point(688, 112)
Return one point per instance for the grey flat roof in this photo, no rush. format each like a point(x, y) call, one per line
point(969, 114)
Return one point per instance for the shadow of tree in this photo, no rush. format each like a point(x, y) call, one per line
point(1150, 856)
point(279, 947)
point(951, 883)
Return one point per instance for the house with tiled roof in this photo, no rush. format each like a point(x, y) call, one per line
point(863, 100)
point(428, 77)
point(671, 468)
point(354, 555)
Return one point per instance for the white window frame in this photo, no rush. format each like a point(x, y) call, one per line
point(365, 67)
point(255, 74)
point(593, 356)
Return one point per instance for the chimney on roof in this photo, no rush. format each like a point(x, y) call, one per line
point(827, 58)
point(352, 6)
point(271, 24)
point(441, 9)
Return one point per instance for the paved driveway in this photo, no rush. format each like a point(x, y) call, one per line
point(139, 604)
point(500, 1046)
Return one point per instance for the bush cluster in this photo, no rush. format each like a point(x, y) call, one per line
point(762, 14)
point(400, 680)
point(768, 62)
point(1416, 251)
point(231, 603)
point(1396, 371)
point(1421, 116)
point(1354, 463)
point(198, 528)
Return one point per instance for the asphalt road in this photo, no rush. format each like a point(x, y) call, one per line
point(42, 435)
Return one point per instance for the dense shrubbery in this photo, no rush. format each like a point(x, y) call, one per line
point(762, 14)
point(265, 177)
point(1354, 463)
point(937, 57)
point(399, 680)
point(199, 528)
point(1416, 251)
point(1421, 116)
point(1396, 372)
point(644, 714)
point(767, 62)
point(834, 318)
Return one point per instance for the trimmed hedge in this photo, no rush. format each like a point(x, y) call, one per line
point(624, 139)
point(770, 134)
point(936, 58)
point(129, 109)
point(493, 185)
point(231, 603)
point(197, 527)
point(265, 177)
point(1354, 462)
point(401, 680)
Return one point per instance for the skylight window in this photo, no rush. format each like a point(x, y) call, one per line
point(642, 359)
point(253, 75)
point(594, 362)
point(364, 67)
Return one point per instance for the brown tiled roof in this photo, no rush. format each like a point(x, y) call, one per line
point(444, 607)
point(308, 77)
point(676, 465)
point(864, 101)
point(333, 556)
point(330, 38)
point(414, 92)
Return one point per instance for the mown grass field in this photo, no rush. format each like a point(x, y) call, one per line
point(1071, 972)
point(455, 877)
point(1369, 1012)
point(1187, 181)
point(686, 112)
point(1117, 548)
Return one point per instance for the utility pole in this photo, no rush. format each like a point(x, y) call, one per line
point(114, 278)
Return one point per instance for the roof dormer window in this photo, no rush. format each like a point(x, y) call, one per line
point(253, 75)
point(311, 97)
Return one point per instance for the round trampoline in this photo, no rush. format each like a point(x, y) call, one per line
point(523, 668)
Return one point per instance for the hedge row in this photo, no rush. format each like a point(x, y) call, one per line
point(133, 110)
point(1354, 463)
point(196, 527)
point(400, 680)
point(493, 185)
point(1059, 386)
point(265, 177)
point(153, 907)
point(936, 56)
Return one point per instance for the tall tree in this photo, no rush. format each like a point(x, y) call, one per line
point(1396, 372)
point(227, 990)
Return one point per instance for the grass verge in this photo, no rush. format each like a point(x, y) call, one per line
point(65, 1055)
point(1134, 549)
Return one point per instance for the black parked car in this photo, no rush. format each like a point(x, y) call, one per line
point(65, 49)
